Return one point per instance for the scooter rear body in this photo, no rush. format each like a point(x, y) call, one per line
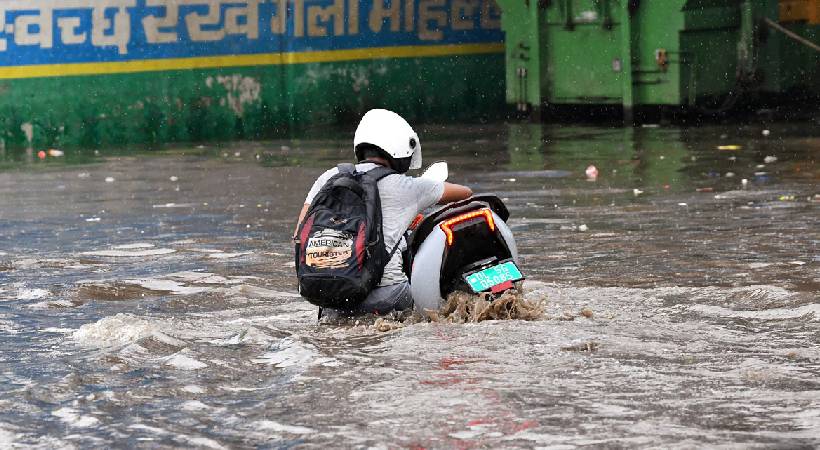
point(464, 246)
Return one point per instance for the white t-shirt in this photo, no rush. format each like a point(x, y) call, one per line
point(402, 198)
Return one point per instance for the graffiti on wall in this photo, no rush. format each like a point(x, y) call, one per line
point(75, 31)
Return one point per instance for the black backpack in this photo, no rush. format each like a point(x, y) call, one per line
point(340, 250)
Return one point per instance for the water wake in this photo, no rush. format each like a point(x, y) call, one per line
point(462, 307)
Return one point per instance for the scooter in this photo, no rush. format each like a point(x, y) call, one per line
point(463, 246)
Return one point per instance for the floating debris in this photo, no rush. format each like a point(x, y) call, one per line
point(770, 159)
point(729, 147)
point(589, 347)
point(591, 172)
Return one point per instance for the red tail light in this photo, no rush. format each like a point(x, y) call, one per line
point(447, 226)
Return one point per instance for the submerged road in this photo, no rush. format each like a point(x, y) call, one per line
point(148, 300)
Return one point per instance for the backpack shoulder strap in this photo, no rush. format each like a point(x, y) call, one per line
point(346, 168)
point(379, 172)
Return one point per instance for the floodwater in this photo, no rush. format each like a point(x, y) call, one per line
point(148, 299)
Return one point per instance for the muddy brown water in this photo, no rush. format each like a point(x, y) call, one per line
point(157, 309)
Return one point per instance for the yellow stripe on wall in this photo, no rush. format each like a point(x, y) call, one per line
point(264, 59)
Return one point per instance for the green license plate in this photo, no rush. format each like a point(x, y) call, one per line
point(493, 276)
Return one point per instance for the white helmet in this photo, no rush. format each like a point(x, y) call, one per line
point(392, 134)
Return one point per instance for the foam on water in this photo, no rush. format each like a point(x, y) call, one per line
point(204, 278)
point(291, 353)
point(52, 304)
point(9, 327)
point(250, 335)
point(122, 253)
point(193, 389)
point(134, 246)
point(194, 405)
point(117, 330)
point(222, 255)
point(74, 418)
point(812, 310)
point(276, 427)
point(182, 361)
point(202, 442)
point(158, 284)
point(7, 438)
point(150, 429)
point(32, 294)
point(58, 330)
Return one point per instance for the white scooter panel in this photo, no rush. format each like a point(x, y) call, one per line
point(425, 279)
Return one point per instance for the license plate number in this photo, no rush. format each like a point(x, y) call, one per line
point(492, 276)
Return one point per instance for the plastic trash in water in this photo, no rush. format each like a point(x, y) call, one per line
point(591, 172)
point(41, 154)
point(109, 179)
point(729, 147)
point(770, 159)
point(55, 153)
point(765, 132)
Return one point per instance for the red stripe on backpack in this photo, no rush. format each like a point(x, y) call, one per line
point(303, 238)
point(360, 240)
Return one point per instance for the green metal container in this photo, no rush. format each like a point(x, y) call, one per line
point(651, 52)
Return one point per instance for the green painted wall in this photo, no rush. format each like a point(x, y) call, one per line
point(243, 103)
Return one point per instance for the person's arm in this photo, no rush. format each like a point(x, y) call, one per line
point(454, 192)
point(301, 218)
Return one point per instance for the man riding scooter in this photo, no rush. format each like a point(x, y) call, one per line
point(365, 211)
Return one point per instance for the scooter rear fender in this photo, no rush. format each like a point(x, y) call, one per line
point(453, 209)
